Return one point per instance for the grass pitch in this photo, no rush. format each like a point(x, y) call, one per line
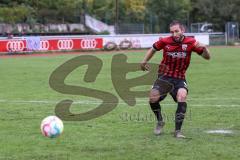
point(126, 132)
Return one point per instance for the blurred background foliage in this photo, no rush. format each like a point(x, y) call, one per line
point(154, 14)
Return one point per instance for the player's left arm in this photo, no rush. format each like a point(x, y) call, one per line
point(205, 51)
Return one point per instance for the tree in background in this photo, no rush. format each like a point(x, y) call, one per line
point(58, 11)
point(12, 12)
point(162, 12)
point(217, 12)
point(155, 14)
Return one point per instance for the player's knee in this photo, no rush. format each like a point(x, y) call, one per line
point(182, 95)
point(182, 98)
point(154, 96)
point(153, 99)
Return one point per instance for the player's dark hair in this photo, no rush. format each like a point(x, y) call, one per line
point(175, 22)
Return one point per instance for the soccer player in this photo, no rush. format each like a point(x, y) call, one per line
point(177, 50)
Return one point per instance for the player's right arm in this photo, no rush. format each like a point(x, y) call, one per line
point(144, 66)
point(157, 46)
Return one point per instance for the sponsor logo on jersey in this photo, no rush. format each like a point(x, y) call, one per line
point(177, 54)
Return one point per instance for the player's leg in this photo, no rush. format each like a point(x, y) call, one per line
point(154, 99)
point(180, 112)
point(159, 91)
point(179, 95)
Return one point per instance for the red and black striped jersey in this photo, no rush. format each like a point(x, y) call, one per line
point(176, 56)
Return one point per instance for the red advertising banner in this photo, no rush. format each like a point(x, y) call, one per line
point(60, 44)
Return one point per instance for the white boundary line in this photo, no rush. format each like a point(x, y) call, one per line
point(99, 102)
point(219, 131)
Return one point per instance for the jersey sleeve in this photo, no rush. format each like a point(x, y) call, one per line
point(198, 50)
point(159, 45)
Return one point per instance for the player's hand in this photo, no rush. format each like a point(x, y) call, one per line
point(144, 66)
point(199, 45)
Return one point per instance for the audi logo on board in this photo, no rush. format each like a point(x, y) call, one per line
point(65, 44)
point(53, 44)
point(88, 43)
point(15, 46)
point(44, 45)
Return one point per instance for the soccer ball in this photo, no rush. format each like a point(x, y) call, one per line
point(51, 126)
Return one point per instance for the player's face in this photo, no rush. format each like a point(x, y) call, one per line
point(176, 32)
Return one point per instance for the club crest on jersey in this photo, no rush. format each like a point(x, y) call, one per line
point(167, 47)
point(184, 47)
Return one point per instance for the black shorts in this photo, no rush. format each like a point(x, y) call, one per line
point(166, 84)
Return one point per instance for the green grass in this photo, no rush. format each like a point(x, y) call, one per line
point(126, 132)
